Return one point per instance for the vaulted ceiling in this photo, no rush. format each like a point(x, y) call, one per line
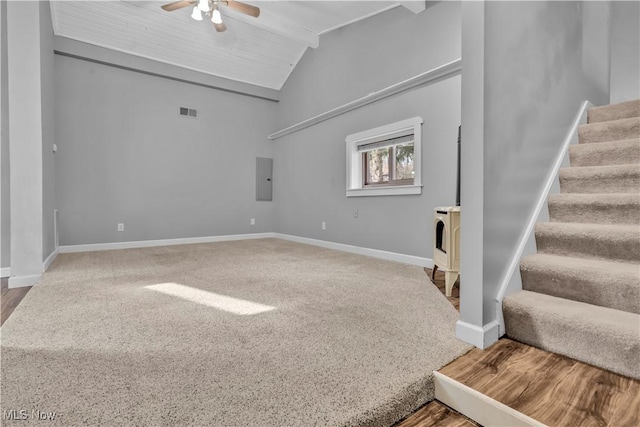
point(261, 51)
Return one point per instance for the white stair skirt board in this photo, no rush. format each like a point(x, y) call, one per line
point(481, 337)
point(5, 272)
point(511, 282)
point(22, 281)
point(477, 406)
point(375, 253)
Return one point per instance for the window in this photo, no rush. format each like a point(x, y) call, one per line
point(385, 160)
point(388, 163)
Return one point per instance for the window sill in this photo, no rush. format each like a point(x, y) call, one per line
point(395, 190)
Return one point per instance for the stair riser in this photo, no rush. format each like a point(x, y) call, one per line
point(595, 213)
point(591, 289)
point(614, 247)
point(616, 352)
point(610, 154)
point(609, 131)
point(614, 112)
point(600, 184)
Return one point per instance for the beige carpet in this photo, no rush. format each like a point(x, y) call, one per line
point(581, 291)
point(352, 340)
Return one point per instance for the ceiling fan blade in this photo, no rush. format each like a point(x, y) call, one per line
point(220, 27)
point(177, 5)
point(247, 9)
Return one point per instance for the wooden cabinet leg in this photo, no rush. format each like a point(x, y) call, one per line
point(433, 273)
point(450, 278)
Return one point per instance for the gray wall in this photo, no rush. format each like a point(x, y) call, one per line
point(126, 156)
point(625, 51)
point(48, 129)
point(353, 61)
point(5, 198)
point(539, 64)
point(309, 172)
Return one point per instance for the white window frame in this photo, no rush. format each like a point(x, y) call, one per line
point(355, 187)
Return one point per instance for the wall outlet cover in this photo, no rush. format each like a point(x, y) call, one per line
point(120, 226)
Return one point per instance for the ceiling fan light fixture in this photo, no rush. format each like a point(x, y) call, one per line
point(196, 14)
point(216, 16)
point(203, 5)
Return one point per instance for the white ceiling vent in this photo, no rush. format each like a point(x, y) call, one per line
point(188, 112)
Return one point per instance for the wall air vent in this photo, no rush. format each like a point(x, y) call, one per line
point(188, 112)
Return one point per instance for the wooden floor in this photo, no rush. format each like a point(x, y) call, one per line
point(436, 414)
point(9, 299)
point(549, 388)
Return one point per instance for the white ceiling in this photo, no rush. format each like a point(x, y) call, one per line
point(261, 51)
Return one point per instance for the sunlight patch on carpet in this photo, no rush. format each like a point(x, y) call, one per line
point(210, 299)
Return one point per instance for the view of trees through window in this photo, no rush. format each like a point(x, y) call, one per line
point(379, 170)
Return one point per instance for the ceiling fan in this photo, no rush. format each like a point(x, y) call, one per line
point(211, 8)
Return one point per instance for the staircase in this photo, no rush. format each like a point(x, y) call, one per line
point(581, 291)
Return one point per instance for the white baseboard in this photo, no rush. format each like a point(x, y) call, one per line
point(5, 272)
point(47, 262)
point(22, 281)
point(375, 253)
point(165, 242)
point(481, 337)
point(477, 406)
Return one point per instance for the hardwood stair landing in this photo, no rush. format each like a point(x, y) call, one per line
point(551, 389)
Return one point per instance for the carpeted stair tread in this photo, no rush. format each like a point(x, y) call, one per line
point(581, 291)
point(606, 153)
point(614, 242)
point(622, 110)
point(599, 282)
point(607, 208)
point(612, 130)
point(600, 179)
point(596, 335)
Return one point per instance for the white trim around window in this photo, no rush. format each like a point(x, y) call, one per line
point(355, 187)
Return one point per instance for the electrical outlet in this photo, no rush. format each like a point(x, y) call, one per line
point(355, 213)
point(120, 226)
point(253, 221)
point(324, 225)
